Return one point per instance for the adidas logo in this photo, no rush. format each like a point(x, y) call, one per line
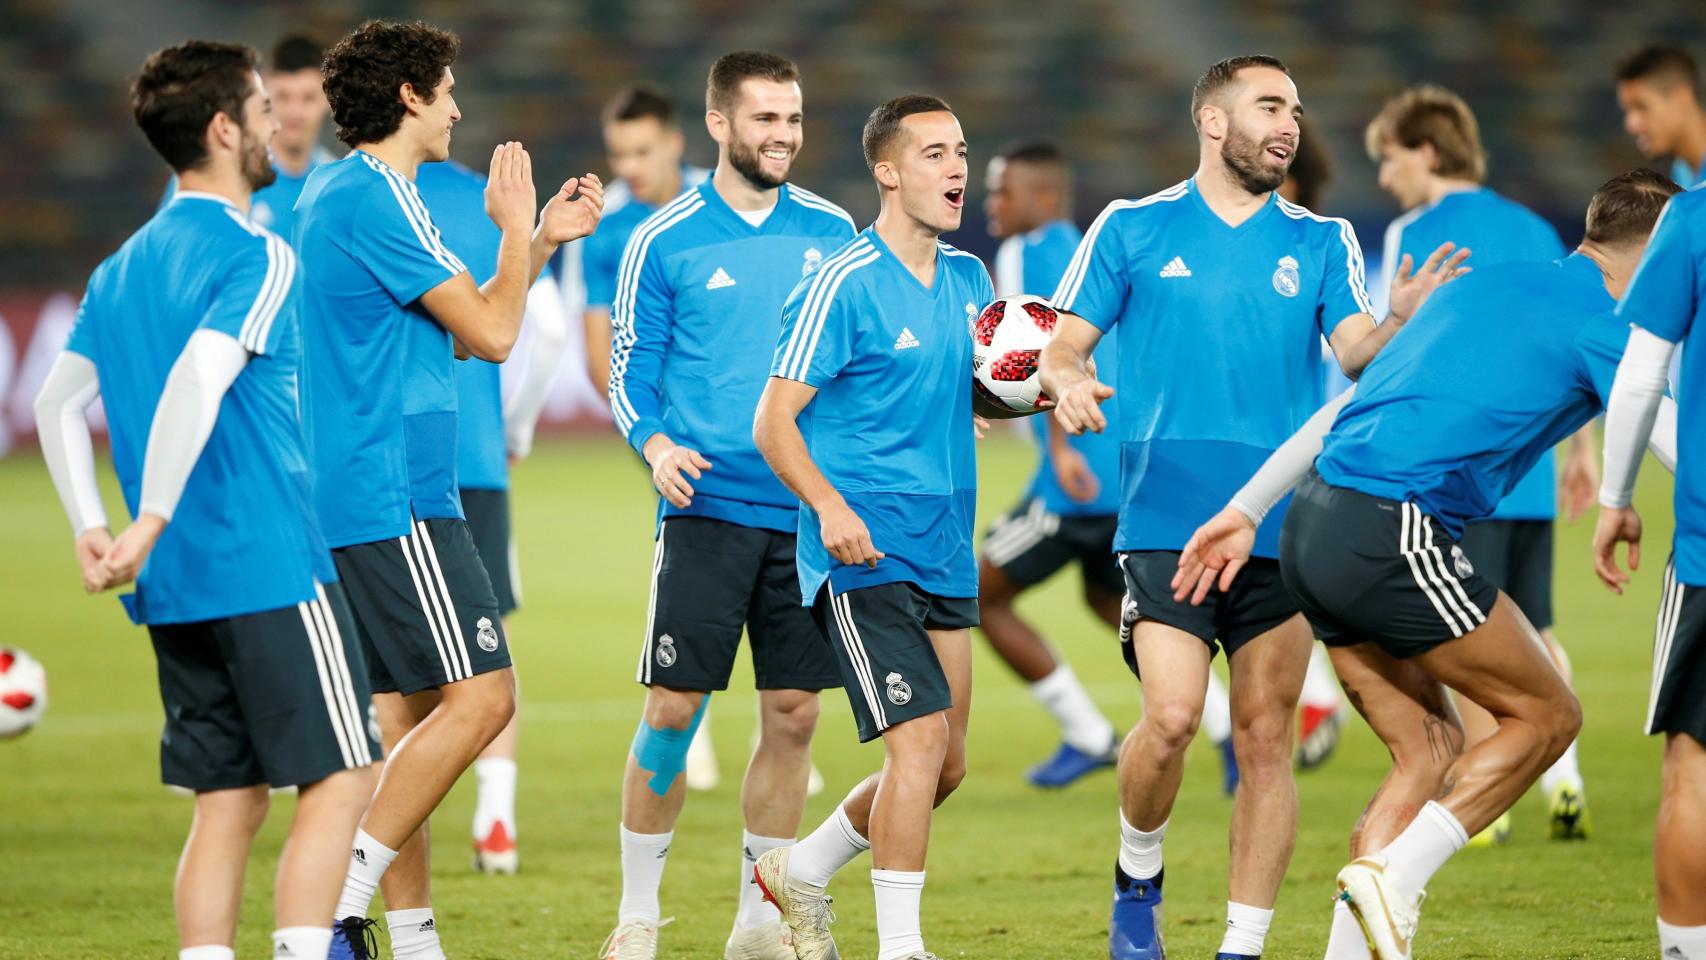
point(1176, 268)
point(906, 340)
point(360, 855)
point(719, 280)
point(428, 927)
point(283, 950)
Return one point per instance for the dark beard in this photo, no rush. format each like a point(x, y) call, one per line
point(1243, 156)
point(746, 163)
point(257, 165)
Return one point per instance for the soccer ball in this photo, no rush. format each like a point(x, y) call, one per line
point(1007, 343)
point(23, 692)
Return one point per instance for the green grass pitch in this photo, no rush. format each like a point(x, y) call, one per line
point(89, 839)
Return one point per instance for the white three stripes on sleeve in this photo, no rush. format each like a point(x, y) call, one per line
point(802, 343)
point(1073, 279)
point(275, 287)
point(627, 289)
point(1353, 250)
point(415, 212)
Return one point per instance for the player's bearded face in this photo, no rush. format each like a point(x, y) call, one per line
point(1248, 157)
point(259, 126)
point(766, 130)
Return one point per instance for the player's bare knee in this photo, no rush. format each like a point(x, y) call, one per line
point(919, 744)
point(953, 774)
point(668, 709)
point(1565, 723)
point(790, 717)
point(1170, 725)
point(1262, 738)
point(233, 811)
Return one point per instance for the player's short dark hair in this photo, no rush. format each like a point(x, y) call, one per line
point(1437, 117)
point(179, 91)
point(1662, 62)
point(1043, 153)
point(296, 52)
point(883, 125)
point(1311, 166)
point(365, 70)
point(638, 103)
point(1219, 76)
point(1625, 208)
point(722, 87)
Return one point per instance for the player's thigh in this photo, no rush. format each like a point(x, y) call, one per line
point(888, 663)
point(1411, 712)
point(1172, 667)
point(1154, 628)
point(789, 651)
point(953, 651)
point(205, 744)
point(1267, 670)
point(1501, 665)
point(704, 575)
point(1026, 546)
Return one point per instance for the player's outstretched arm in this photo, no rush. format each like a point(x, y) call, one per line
point(1630, 413)
point(1069, 377)
point(1357, 339)
point(550, 323)
point(62, 426)
point(776, 433)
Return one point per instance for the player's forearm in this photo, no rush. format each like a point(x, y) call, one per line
point(1061, 367)
point(1358, 355)
point(185, 416)
point(777, 436)
point(62, 427)
point(1288, 464)
point(1630, 412)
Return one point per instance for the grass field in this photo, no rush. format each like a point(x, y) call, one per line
point(89, 839)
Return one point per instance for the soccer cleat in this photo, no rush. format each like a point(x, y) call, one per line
point(632, 940)
point(353, 939)
point(770, 941)
point(1237, 956)
point(1497, 833)
point(1318, 732)
point(806, 915)
point(926, 955)
point(1569, 813)
point(1070, 763)
point(1228, 767)
point(1388, 919)
point(496, 853)
point(702, 772)
point(1134, 924)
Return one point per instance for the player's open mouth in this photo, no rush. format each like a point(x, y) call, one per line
point(956, 197)
point(778, 154)
point(1280, 152)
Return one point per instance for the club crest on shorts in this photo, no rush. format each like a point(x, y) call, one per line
point(486, 635)
point(1460, 562)
point(900, 692)
point(1286, 280)
point(814, 257)
point(666, 651)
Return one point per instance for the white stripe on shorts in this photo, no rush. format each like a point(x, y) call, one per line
point(842, 606)
point(433, 618)
point(645, 672)
point(334, 710)
point(459, 647)
point(341, 679)
point(1409, 545)
point(1664, 634)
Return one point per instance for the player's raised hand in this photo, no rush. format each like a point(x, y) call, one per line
point(1411, 290)
point(128, 553)
point(1079, 407)
point(670, 469)
point(510, 197)
point(92, 547)
point(1072, 470)
point(1616, 525)
point(1216, 552)
point(574, 210)
point(846, 537)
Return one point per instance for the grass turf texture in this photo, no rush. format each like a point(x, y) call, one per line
point(89, 838)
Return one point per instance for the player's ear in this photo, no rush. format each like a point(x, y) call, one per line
point(223, 131)
point(887, 176)
point(717, 126)
point(1212, 120)
point(411, 99)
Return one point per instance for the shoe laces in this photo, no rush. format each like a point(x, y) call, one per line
point(633, 940)
point(814, 913)
point(359, 932)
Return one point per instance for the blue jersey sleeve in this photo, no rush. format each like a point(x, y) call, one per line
point(258, 282)
point(1096, 283)
point(601, 257)
point(82, 340)
point(395, 238)
point(1662, 294)
point(818, 327)
point(642, 321)
point(1344, 289)
point(1599, 348)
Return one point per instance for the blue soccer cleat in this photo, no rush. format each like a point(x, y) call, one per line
point(353, 939)
point(1134, 927)
point(1237, 956)
point(1070, 763)
point(1228, 767)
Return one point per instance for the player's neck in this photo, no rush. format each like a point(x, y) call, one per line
point(739, 192)
point(1616, 266)
point(1441, 187)
point(1691, 146)
point(1224, 195)
point(396, 152)
point(911, 242)
point(225, 184)
point(292, 159)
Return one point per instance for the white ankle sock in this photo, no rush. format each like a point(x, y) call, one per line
point(496, 802)
point(1345, 941)
point(214, 952)
point(1424, 846)
point(643, 858)
point(1320, 684)
point(899, 930)
point(830, 847)
point(414, 934)
point(1140, 851)
point(1691, 941)
point(754, 912)
point(1564, 770)
point(1246, 929)
point(1082, 725)
point(1216, 710)
point(301, 943)
point(367, 863)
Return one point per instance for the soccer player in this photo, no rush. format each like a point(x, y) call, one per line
point(868, 419)
point(189, 335)
point(1428, 147)
point(1069, 512)
point(1220, 292)
point(698, 306)
point(1658, 89)
point(386, 305)
point(1370, 546)
point(1663, 303)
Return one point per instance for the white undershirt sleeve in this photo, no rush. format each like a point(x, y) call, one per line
point(1631, 411)
point(1289, 464)
point(184, 418)
point(548, 316)
point(1663, 442)
point(62, 426)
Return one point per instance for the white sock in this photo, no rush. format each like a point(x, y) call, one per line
point(496, 803)
point(1689, 941)
point(1346, 941)
point(298, 943)
point(830, 847)
point(754, 911)
point(414, 934)
point(220, 952)
point(367, 863)
point(899, 930)
point(1564, 770)
point(1140, 851)
point(1320, 683)
point(1082, 725)
point(643, 857)
point(1424, 846)
point(1246, 929)
point(1216, 710)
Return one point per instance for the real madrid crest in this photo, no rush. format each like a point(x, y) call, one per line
point(485, 634)
point(1460, 561)
point(666, 651)
point(814, 257)
point(1286, 280)
point(900, 693)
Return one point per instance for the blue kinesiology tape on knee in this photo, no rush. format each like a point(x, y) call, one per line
point(663, 751)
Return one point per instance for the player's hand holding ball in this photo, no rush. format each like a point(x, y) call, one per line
point(846, 537)
point(1217, 551)
point(510, 197)
point(574, 210)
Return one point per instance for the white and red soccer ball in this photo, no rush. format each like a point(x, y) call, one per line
point(23, 692)
point(1008, 338)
